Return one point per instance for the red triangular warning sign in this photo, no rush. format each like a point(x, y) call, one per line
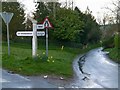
point(47, 23)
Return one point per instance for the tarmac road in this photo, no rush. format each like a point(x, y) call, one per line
point(98, 71)
point(16, 81)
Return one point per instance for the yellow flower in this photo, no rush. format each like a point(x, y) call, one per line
point(48, 60)
point(62, 47)
point(51, 57)
point(43, 53)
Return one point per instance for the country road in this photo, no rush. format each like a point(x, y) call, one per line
point(96, 71)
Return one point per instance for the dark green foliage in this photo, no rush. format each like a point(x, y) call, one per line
point(42, 12)
point(17, 19)
point(67, 26)
point(117, 40)
point(114, 54)
point(91, 32)
point(46, 9)
point(113, 41)
point(108, 43)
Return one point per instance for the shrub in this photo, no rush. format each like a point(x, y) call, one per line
point(117, 40)
point(108, 43)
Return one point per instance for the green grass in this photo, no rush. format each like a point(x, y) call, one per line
point(114, 54)
point(58, 63)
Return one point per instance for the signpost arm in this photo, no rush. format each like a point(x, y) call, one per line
point(47, 42)
point(8, 39)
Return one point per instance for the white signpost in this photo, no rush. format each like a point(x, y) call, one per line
point(7, 18)
point(47, 25)
point(33, 33)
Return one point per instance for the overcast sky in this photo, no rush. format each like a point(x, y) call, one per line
point(96, 6)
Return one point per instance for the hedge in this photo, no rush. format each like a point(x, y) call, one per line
point(117, 40)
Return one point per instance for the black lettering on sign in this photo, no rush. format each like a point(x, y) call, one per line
point(46, 24)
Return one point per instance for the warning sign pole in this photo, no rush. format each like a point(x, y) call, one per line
point(47, 42)
point(47, 25)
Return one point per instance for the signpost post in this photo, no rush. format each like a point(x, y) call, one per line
point(47, 25)
point(7, 18)
point(34, 39)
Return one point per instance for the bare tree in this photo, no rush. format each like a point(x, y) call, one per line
point(118, 16)
point(116, 12)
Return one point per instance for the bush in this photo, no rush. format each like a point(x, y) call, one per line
point(108, 43)
point(117, 40)
point(114, 54)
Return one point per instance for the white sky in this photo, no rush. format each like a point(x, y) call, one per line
point(96, 6)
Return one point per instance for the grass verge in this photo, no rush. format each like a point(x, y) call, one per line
point(114, 54)
point(58, 63)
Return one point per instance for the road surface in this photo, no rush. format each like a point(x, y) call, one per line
point(98, 71)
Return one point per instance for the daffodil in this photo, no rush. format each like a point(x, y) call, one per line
point(62, 47)
point(48, 60)
point(43, 53)
point(51, 57)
